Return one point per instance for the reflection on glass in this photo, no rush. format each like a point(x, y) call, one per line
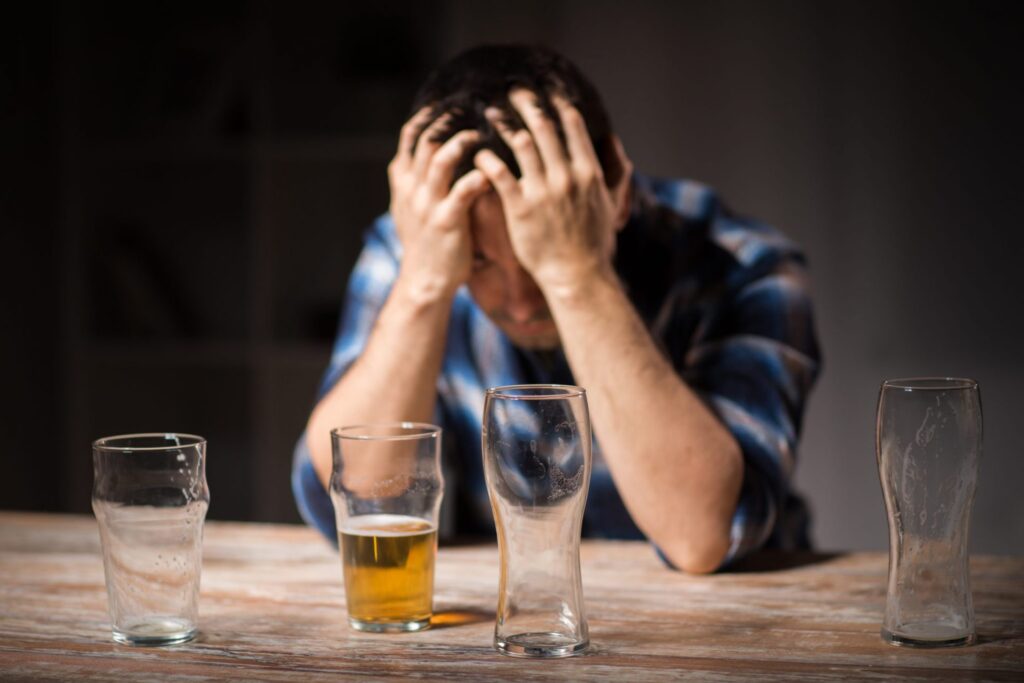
point(537, 458)
point(928, 444)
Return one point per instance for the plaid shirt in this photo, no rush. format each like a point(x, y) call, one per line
point(724, 298)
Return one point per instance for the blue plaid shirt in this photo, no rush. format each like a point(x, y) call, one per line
point(725, 298)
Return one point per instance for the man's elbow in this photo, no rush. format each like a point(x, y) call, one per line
point(701, 547)
point(698, 557)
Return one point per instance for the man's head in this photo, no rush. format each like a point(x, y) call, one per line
point(483, 76)
point(461, 90)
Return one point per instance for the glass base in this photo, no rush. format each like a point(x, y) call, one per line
point(390, 626)
point(156, 632)
point(928, 637)
point(539, 645)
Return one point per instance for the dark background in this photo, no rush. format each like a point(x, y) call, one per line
point(183, 189)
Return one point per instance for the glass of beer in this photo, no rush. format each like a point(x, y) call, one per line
point(386, 486)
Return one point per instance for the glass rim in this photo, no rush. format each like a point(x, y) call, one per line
point(414, 430)
point(930, 383)
point(106, 443)
point(559, 391)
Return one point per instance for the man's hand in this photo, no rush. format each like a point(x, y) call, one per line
point(395, 377)
point(432, 220)
point(561, 215)
point(676, 467)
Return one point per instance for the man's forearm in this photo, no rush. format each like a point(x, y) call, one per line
point(677, 468)
point(395, 377)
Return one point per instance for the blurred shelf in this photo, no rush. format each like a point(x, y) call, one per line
point(219, 183)
point(166, 151)
point(300, 354)
point(167, 353)
point(204, 352)
point(328, 147)
point(313, 147)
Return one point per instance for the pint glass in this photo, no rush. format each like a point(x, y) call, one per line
point(386, 487)
point(537, 459)
point(928, 444)
point(150, 498)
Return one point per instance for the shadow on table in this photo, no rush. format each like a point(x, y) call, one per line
point(779, 560)
point(466, 540)
point(459, 617)
point(1003, 631)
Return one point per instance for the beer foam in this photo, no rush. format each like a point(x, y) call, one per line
point(386, 525)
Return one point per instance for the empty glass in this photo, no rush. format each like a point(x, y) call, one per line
point(537, 458)
point(928, 443)
point(150, 498)
point(386, 486)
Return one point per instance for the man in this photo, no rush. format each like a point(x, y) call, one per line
point(521, 247)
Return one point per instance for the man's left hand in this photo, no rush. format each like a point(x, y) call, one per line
point(561, 215)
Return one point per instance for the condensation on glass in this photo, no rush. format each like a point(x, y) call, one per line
point(537, 457)
point(150, 499)
point(928, 446)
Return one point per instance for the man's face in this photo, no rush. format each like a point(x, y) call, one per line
point(500, 286)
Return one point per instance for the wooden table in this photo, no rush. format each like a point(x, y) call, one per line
point(273, 608)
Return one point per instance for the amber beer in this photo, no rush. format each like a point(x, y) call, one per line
point(388, 562)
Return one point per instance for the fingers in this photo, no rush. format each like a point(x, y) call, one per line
point(465, 191)
point(407, 138)
point(521, 144)
point(426, 146)
point(443, 163)
point(545, 135)
point(577, 139)
point(500, 177)
point(626, 176)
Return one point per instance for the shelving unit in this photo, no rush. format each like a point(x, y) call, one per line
point(219, 168)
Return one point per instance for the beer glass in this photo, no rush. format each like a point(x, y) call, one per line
point(386, 486)
point(537, 457)
point(928, 444)
point(150, 498)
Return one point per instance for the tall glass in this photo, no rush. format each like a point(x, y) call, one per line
point(150, 498)
point(386, 487)
point(928, 444)
point(537, 458)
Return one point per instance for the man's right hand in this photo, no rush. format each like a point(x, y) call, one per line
point(431, 215)
point(395, 377)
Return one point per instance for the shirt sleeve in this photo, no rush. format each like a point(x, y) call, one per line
point(368, 289)
point(755, 368)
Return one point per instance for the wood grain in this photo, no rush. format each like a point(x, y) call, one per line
point(273, 608)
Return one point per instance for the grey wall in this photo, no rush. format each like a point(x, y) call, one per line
point(886, 141)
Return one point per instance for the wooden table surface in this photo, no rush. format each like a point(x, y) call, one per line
point(272, 607)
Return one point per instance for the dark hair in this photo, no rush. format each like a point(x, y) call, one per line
point(482, 77)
